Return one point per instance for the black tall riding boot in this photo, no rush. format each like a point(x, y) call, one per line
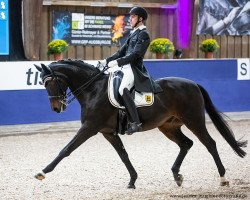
point(129, 104)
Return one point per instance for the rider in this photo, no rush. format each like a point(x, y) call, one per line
point(130, 60)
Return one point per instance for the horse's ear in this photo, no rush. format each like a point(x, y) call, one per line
point(46, 69)
point(38, 68)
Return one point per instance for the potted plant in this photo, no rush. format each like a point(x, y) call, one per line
point(161, 47)
point(56, 48)
point(209, 46)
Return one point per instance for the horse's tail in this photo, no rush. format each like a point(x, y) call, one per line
point(221, 125)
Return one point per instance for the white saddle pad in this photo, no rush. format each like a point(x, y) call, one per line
point(141, 99)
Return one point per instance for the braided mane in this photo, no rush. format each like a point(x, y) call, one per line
point(78, 63)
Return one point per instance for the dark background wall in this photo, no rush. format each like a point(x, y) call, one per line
point(37, 29)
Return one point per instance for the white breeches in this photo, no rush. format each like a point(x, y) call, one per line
point(128, 78)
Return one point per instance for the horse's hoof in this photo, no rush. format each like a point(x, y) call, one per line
point(224, 183)
point(179, 179)
point(131, 186)
point(40, 176)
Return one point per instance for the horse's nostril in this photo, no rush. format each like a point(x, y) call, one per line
point(56, 109)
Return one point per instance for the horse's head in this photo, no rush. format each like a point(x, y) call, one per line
point(56, 86)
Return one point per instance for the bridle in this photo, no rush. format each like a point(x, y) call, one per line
point(64, 98)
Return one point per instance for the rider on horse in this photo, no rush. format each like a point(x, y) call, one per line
point(130, 60)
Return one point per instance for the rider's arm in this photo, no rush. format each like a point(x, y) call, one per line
point(138, 51)
point(120, 53)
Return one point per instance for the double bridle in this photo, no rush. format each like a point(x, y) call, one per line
point(63, 97)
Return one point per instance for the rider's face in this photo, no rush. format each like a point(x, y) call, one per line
point(133, 20)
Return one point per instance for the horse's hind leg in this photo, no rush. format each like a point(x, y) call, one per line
point(116, 142)
point(176, 135)
point(198, 127)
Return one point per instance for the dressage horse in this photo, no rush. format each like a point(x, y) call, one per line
point(182, 102)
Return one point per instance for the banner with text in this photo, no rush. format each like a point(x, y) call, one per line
point(82, 29)
point(23, 75)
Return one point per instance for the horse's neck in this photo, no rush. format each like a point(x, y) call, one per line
point(88, 88)
point(76, 74)
point(79, 76)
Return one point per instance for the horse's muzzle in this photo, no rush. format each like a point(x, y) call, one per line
point(56, 109)
point(58, 106)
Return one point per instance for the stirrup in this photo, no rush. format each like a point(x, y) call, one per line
point(133, 127)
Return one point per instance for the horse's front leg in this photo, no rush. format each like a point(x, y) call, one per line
point(83, 134)
point(117, 144)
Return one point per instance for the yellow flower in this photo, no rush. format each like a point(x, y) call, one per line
point(161, 45)
point(209, 45)
point(57, 46)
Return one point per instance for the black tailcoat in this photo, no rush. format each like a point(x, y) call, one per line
point(132, 52)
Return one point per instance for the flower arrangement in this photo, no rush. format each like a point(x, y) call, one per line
point(57, 46)
point(209, 45)
point(161, 45)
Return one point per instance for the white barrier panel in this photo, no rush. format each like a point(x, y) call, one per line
point(243, 69)
point(22, 75)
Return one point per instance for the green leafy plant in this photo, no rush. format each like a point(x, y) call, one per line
point(161, 45)
point(57, 46)
point(209, 45)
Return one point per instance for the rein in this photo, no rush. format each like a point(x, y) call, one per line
point(79, 90)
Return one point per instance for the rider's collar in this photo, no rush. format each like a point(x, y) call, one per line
point(139, 27)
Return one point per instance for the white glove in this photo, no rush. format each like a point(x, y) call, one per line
point(113, 63)
point(103, 62)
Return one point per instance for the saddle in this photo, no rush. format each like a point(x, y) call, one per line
point(140, 98)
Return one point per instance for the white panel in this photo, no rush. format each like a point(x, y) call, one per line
point(22, 75)
point(243, 69)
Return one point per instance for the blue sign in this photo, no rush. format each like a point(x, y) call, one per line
point(4, 27)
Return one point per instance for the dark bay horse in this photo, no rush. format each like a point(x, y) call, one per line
point(182, 102)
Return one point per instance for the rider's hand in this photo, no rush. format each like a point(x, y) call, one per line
point(113, 63)
point(103, 62)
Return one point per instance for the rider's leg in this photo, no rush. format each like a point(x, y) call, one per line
point(128, 101)
point(126, 84)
